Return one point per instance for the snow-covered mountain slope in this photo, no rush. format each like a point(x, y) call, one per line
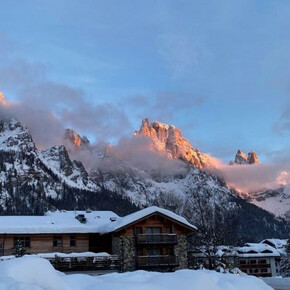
point(33, 181)
point(273, 198)
point(13, 137)
point(28, 176)
point(276, 201)
point(145, 188)
point(72, 173)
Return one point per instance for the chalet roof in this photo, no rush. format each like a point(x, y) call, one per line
point(65, 222)
point(141, 214)
point(276, 243)
point(257, 250)
point(56, 222)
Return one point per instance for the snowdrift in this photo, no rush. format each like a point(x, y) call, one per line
point(32, 273)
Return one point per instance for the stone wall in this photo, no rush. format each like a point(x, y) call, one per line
point(180, 251)
point(126, 249)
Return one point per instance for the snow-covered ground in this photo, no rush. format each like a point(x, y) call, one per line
point(278, 283)
point(32, 273)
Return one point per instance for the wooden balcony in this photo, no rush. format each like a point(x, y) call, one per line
point(146, 239)
point(156, 261)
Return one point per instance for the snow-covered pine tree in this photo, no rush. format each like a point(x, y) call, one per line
point(286, 262)
point(19, 249)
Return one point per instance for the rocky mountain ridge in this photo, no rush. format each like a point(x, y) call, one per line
point(241, 158)
point(169, 140)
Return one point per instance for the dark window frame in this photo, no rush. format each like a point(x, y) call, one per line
point(57, 241)
point(72, 241)
point(153, 230)
point(138, 231)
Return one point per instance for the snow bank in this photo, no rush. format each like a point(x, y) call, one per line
point(31, 273)
point(187, 279)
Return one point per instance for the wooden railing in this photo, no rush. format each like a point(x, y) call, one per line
point(156, 239)
point(156, 261)
point(86, 263)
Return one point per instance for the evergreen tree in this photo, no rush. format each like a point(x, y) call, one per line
point(19, 249)
point(286, 261)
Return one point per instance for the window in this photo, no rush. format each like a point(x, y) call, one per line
point(153, 230)
point(72, 241)
point(138, 231)
point(57, 241)
point(263, 261)
point(264, 270)
point(25, 241)
point(168, 230)
point(243, 262)
point(169, 251)
point(154, 252)
point(253, 262)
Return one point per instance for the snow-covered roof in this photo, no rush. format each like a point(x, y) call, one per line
point(257, 250)
point(57, 222)
point(276, 243)
point(65, 222)
point(131, 218)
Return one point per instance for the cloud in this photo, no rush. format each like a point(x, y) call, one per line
point(254, 177)
point(44, 127)
point(134, 153)
point(47, 107)
point(163, 106)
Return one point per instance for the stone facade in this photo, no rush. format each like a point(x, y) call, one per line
point(180, 251)
point(126, 249)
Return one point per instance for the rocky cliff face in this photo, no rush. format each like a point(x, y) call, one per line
point(73, 173)
point(169, 140)
point(14, 137)
point(252, 158)
point(73, 138)
point(242, 158)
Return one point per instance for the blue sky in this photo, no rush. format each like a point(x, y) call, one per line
point(218, 70)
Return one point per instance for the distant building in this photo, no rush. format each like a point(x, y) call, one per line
point(257, 259)
point(152, 238)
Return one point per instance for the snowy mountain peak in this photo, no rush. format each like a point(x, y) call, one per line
point(14, 137)
point(3, 101)
point(73, 138)
point(252, 158)
point(168, 139)
point(242, 158)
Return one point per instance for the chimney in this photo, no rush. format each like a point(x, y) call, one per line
point(81, 218)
